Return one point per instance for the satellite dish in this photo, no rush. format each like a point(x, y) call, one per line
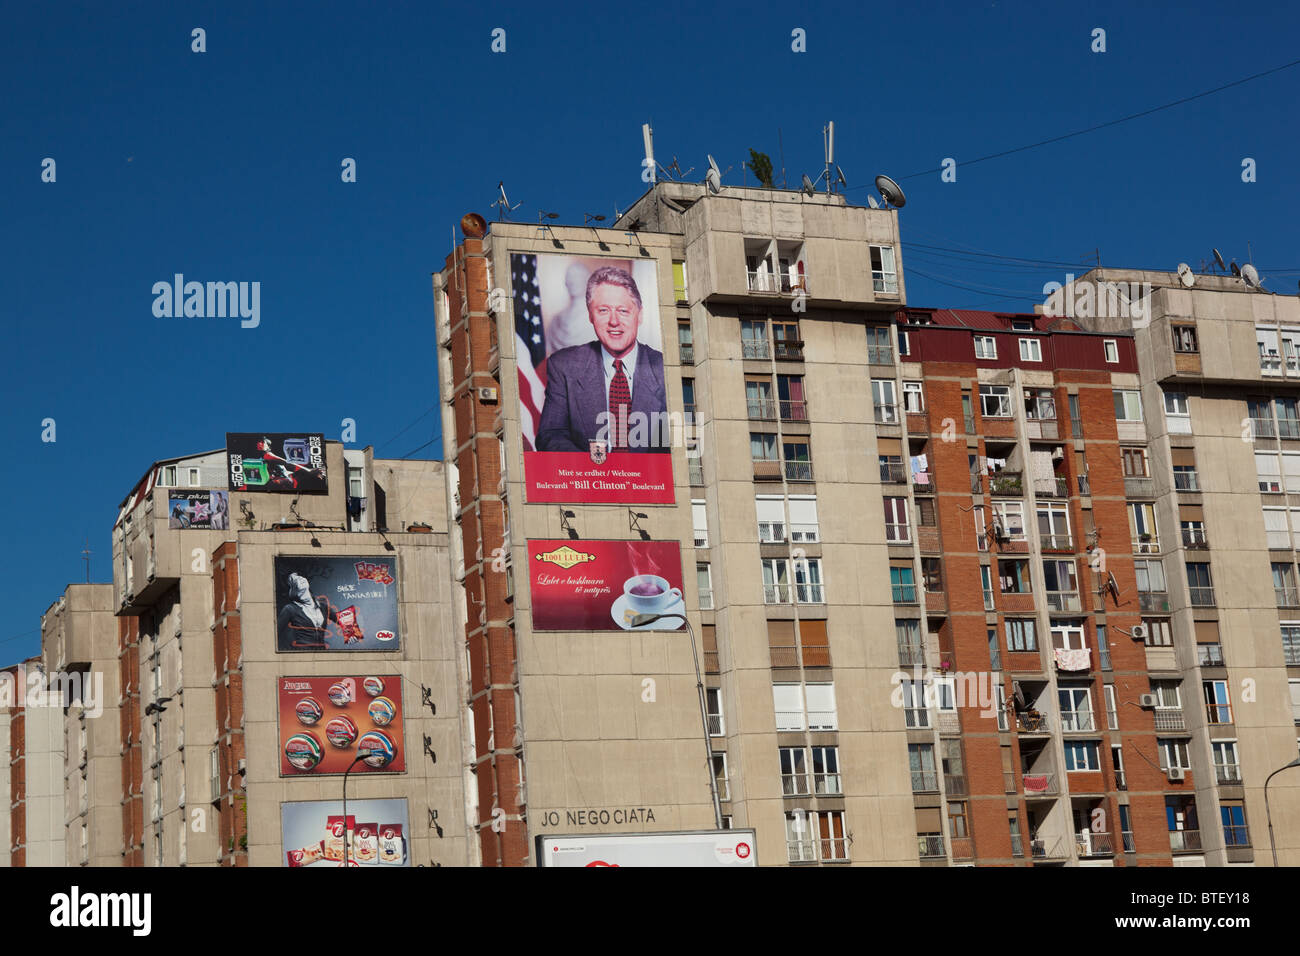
point(1218, 257)
point(714, 180)
point(1185, 275)
point(1250, 276)
point(808, 186)
point(890, 192)
point(1236, 269)
point(713, 166)
point(839, 173)
point(871, 201)
point(473, 225)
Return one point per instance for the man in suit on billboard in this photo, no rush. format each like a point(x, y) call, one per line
point(610, 390)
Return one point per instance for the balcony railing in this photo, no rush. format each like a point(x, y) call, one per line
point(1056, 542)
point(1286, 597)
point(1129, 845)
point(800, 851)
point(1201, 597)
point(1084, 487)
point(1146, 544)
point(880, 354)
point(1168, 719)
point(810, 593)
point(1195, 538)
point(711, 662)
point(1047, 848)
point(798, 470)
point(761, 409)
point(911, 655)
point(1006, 483)
point(777, 594)
point(687, 352)
point(1078, 721)
point(1263, 428)
point(706, 599)
point(1121, 781)
point(795, 785)
point(893, 472)
point(789, 350)
point(827, 784)
point(1211, 655)
point(695, 466)
point(790, 721)
point(1288, 428)
point(925, 781)
point(1153, 601)
point(716, 726)
point(1039, 785)
point(1236, 834)
point(1186, 481)
point(822, 720)
point(1185, 841)
point(1227, 772)
point(777, 283)
point(904, 593)
point(916, 717)
point(1017, 845)
point(930, 846)
point(1051, 487)
point(794, 410)
point(1063, 601)
point(886, 414)
point(755, 349)
point(898, 532)
point(1290, 654)
point(955, 785)
point(1089, 843)
point(784, 655)
point(1032, 722)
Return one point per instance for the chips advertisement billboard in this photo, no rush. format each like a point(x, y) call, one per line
point(291, 463)
point(605, 585)
point(317, 833)
point(593, 408)
point(336, 603)
point(327, 722)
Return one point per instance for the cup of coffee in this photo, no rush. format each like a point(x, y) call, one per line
point(649, 593)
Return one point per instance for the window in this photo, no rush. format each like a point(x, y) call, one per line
point(194, 477)
point(884, 399)
point(1112, 715)
point(803, 518)
point(1284, 589)
point(1218, 708)
point(1111, 348)
point(1054, 527)
point(720, 775)
point(1013, 577)
point(798, 460)
point(830, 830)
point(1031, 350)
point(1295, 699)
point(1135, 462)
point(700, 517)
point(704, 582)
point(1226, 767)
point(883, 276)
point(753, 339)
point(910, 650)
point(913, 397)
point(916, 713)
point(932, 575)
point(713, 700)
point(799, 843)
point(1142, 528)
point(1060, 578)
point(771, 518)
point(1168, 694)
point(826, 770)
point(1158, 632)
point(787, 699)
point(1021, 635)
point(790, 398)
point(1009, 520)
point(821, 707)
point(902, 582)
point(169, 476)
point(1128, 405)
point(1276, 533)
point(1150, 576)
point(958, 824)
point(808, 585)
point(1173, 754)
point(1288, 417)
point(794, 772)
point(1068, 635)
point(1269, 362)
point(776, 581)
point(995, 650)
point(1184, 338)
point(879, 350)
point(995, 401)
point(785, 334)
point(1022, 325)
point(986, 580)
point(679, 280)
point(920, 758)
point(1082, 755)
point(891, 469)
point(1291, 643)
point(762, 446)
point(685, 342)
point(1177, 417)
point(896, 521)
point(758, 398)
point(1200, 584)
point(986, 347)
point(1076, 709)
point(904, 343)
point(1040, 404)
point(1233, 815)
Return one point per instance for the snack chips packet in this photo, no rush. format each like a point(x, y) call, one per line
point(366, 843)
point(307, 855)
point(337, 833)
point(392, 848)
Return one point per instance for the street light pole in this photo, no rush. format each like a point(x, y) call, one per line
point(641, 619)
point(361, 755)
point(1269, 813)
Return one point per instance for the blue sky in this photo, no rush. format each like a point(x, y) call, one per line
point(225, 166)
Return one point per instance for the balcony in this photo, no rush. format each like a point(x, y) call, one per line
point(1085, 488)
point(1047, 848)
point(1063, 601)
point(755, 349)
point(1056, 542)
point(911, 655)
point(687, 352)
point(761, 409)
point(925, 781)
point(1032, 722)
point(1146, 544)
point(1006, 483)
point(1186, 481)
point(1170, 719)
point(1051, 487)
point(885, 414)
point(1227, 772)
point(1211, 655)
point(1201, 596)
point(800, 851)
point(798, 470)
point(1185, 841)
point(789, 350)
point(695, 468)
point(893, 472)
point(930, 846)
point(794, 410)
point(1078, 722)
point(955, 785)
point(1136, 486)
point(880, 354)
point(1195, 538)
point(1153, 601)
point(777, 283)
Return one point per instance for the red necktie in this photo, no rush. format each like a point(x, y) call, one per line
point(620, 404)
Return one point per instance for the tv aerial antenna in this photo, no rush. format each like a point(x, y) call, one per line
point(831, 174)
point(672, 172)
point(503, 202)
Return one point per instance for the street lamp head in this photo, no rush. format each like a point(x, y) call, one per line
point(640, 620)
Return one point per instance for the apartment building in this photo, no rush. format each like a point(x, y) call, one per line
point(1218, 482)
point(34, 767)
point(79, 652)
point(771, 310)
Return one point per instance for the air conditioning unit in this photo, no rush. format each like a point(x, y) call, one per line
point(1147, 701)
point(487, 394)
point(1138, 632)
point(1176, 774)
point(1058, 453)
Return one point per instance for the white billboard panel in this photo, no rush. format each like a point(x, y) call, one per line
point(727, 848)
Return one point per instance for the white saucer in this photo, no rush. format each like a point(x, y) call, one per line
point(621, 607)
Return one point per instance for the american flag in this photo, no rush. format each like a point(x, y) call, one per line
point(530, 344)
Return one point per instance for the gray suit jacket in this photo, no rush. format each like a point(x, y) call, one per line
point(576, 400)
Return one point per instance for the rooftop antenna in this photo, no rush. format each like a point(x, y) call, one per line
point(648, 138)
point(890, 192)
point(85, 556)
point(828, 140)
point(504, 203)
point(676, 170)
point(1185, 275)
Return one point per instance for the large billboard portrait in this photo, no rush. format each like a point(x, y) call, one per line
point(291, 463)
point(198, 510)
point(336, 604)
point(604, 585)
point(592, 405)
point(326, 723)
point(316, 833)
